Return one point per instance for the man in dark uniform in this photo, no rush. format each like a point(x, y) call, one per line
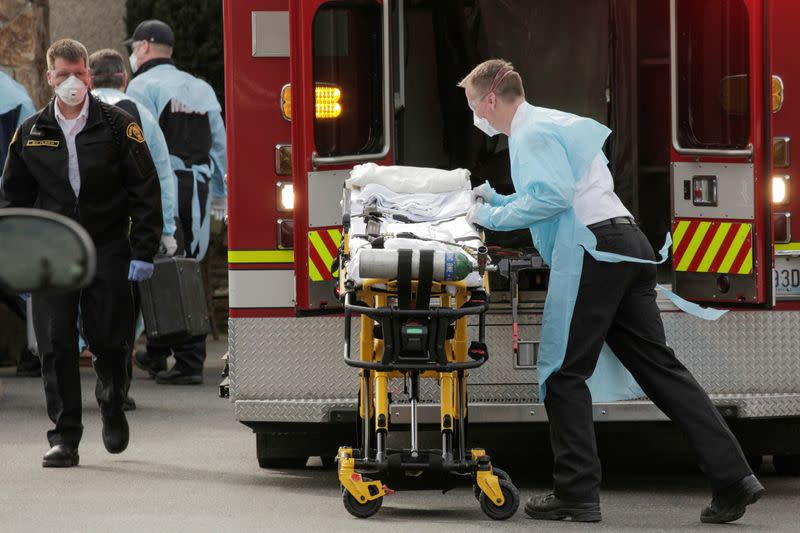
point(89, 161)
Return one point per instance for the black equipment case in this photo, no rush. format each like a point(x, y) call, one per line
point(173, 302)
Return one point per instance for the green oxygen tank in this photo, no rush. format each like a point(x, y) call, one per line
point(383, 264)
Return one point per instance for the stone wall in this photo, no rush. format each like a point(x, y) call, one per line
point(96, 23)
point(24, 38)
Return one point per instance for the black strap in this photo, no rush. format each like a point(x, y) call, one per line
point(404, 279)
point(425, 279)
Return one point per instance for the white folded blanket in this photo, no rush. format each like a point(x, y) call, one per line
point(418, 207)
point(402, 179)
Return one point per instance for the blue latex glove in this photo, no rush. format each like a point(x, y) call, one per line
point(140, 271)
point(484, 191)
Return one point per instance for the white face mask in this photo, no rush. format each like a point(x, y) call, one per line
point(483, 125)
point(72, 91)
point(134, 61)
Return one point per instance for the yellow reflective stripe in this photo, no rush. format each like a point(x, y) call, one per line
point(713, 248)
point(788, 247)
point(697, 238)
point(260, 256)
point(336, 236)
point(680, 231)
point(319, 246)
point(313, 273)
point(747, 266)
point(733, 251)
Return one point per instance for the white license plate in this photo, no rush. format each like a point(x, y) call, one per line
point(786, 275)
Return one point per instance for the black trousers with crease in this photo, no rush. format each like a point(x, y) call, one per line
point(106, 308)
point(616, 303)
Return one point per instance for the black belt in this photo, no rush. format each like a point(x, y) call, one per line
point(612, 222)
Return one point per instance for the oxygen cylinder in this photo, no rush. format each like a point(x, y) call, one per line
point(383, 264)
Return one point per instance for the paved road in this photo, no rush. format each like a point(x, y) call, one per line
point(191, 467)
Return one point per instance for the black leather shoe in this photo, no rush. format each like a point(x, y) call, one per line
point(61, 456)
point(550, 507)
point(115, 429)
point(176, 377)
point(128, 404)
point(153, 365)
point(730, 503)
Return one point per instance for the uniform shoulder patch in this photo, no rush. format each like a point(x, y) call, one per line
point(134, 132)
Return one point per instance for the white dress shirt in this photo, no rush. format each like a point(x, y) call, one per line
point(71, 128)
point(594, 199)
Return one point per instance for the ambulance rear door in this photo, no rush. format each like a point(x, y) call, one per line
point(340, 111)
point(721, 151)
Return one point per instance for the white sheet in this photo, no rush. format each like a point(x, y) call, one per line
point(409, 179)
point(447, 230)
point(418, 207)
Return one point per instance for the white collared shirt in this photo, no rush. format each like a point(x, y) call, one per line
point(595, 199)
point(71, 128)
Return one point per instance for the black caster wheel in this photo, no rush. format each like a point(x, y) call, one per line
point(509, 507)
point(358, 509)
point(501, 475)
point(787, 465)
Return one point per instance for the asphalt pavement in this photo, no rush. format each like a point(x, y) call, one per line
point(191, 467)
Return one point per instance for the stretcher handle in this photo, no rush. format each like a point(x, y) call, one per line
point(410, 367)
point(350, 308)
point(374, 312)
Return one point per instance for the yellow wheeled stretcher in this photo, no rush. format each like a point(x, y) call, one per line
point(414, 327)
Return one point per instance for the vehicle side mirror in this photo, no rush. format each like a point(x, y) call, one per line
point(44, 251)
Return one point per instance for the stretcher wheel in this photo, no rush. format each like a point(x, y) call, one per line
point(360, 510)
point(501, 474)
point(509, 507)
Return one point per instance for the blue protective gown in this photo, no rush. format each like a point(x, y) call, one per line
point(550, 152)
point(158, 150)
point(156, 88)
point(15, 107)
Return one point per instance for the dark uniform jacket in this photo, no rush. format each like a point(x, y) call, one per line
point(118, 178)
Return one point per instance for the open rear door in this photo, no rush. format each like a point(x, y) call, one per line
point(341, 116)
point(721, 150)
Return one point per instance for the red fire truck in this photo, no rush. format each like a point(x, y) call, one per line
point(699, 94)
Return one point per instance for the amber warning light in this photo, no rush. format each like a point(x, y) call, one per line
point(327, 101)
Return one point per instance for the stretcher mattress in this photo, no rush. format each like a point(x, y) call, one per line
point(437, 215)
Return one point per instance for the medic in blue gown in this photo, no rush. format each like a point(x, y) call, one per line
point(600, 314)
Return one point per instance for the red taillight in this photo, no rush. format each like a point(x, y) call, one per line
point(285, 233)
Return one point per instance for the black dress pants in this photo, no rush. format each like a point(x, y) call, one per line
point(189, 357)
point(106, 309)
point(616, 303)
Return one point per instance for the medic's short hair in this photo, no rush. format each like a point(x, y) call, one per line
point(498, 73)
point(67, 49)
point(108, 69)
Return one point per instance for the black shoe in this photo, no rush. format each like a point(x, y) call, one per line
point(176, 377)
point(61, 456)
point(153, 365)
point(550, 507)
point(29, 366)
point(128, 404)
point(115, 428)
point(730, 503)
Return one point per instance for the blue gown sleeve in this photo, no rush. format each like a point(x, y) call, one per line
point(160, 154)
point(547, 187)
point(219, 159)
